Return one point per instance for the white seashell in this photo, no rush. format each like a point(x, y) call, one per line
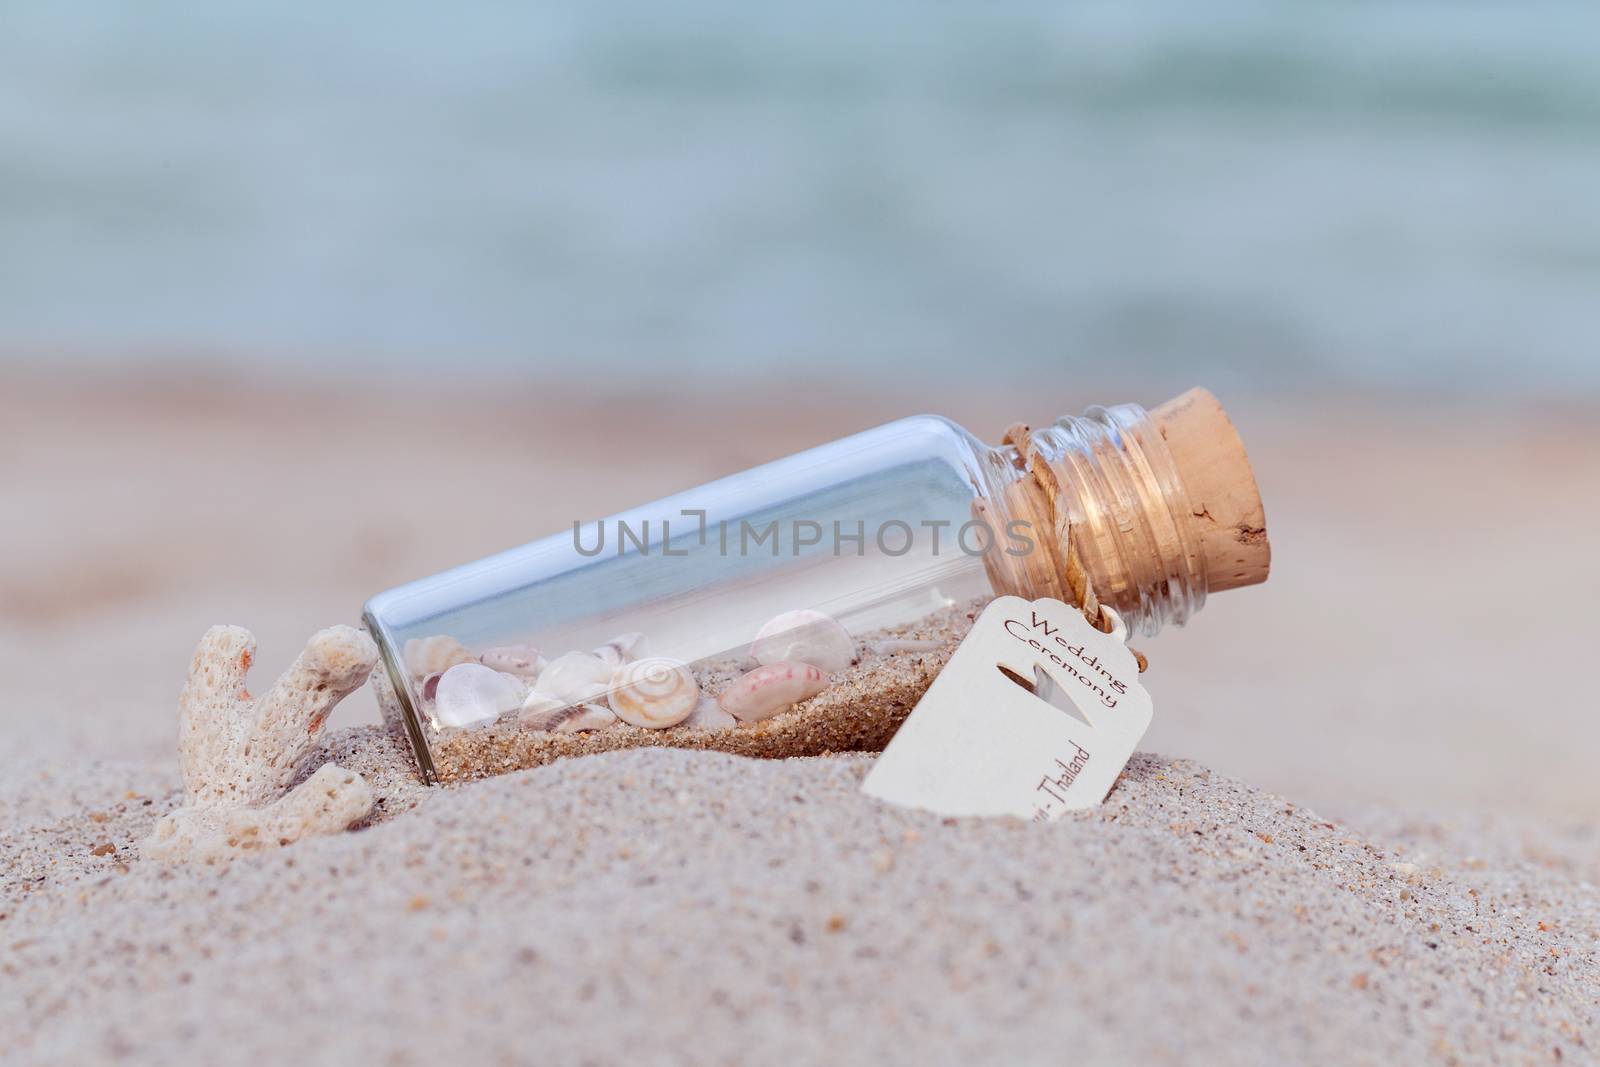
point(770, 689)
point(572, 719)
point(576, 678)
point(538, 704)
point(805, 637)
point(708, 715)
point(471, 693)
point(619, 650)
point(435, 655)
point(654, 693)
point(523, 661)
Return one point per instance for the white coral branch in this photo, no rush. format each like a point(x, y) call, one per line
point(328, 802)
point(240, 755)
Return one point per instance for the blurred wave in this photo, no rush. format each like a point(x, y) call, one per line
point(1278, 194)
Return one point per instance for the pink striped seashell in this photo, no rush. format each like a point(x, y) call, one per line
point(770, 689)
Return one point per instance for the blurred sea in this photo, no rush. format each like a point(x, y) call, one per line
point(1287, 195)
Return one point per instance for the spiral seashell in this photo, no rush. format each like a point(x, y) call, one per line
point(470, 693)
point(523, 661)
point(772, 688)
point(572, 719)
point(576, 678)
point(654, 693)
point(435, 655)
point(624, 648)
point(806, 637)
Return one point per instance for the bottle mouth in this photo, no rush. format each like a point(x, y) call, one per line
point(1127, 514)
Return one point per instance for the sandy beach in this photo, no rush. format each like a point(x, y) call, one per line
point(677, 907)
point(1368, 837)
point(300, 306)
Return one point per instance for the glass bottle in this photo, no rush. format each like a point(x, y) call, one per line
point(796, 607)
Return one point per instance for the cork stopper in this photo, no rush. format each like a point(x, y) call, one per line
point(1227, 522)
point(1147, 512)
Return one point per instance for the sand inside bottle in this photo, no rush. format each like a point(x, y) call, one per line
point(859, 710)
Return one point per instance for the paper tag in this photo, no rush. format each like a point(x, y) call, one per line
point(979, 743)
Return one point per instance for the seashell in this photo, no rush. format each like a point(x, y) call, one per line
point(523, 661)
point(435, 655)
point(619, 650)
point(576, 678)
point(430, 687)
point(708, 715)
point(572, 719)
point(471, 693)
point(654, 693)
point(805, 637)
point(536, 705)
point(767, 690)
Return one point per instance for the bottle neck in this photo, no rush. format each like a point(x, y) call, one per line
point(1101, 491)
